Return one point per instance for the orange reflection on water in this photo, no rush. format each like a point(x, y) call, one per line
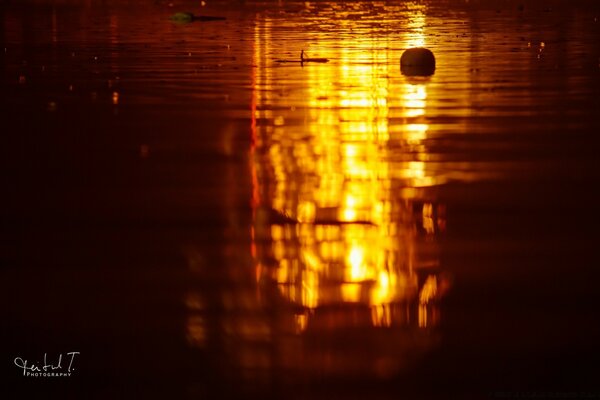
point(342, 228)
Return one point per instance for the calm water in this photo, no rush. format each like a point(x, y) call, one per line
point(200, 220)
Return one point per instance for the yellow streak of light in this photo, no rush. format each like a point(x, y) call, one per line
point(429, 290)
point(351, 292)
point(337, 166)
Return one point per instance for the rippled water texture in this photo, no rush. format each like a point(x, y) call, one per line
point(202, 213)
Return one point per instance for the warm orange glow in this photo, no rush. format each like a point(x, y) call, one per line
point(329, 166)
point(428, 291)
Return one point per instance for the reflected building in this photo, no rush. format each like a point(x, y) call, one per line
point(346, 265)
point(342, 227)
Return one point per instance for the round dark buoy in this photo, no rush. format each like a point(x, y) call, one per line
point(417, 61)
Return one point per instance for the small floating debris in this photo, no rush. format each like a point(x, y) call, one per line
point(316, 60)
point(187, 17)
point(303, 59)
point(417, 61)
point(271, 216)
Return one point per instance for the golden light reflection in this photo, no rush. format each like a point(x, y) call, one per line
point(344, 234)
point(416, 25)
point(337, 162)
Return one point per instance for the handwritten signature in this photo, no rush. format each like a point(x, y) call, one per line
point(48, 367)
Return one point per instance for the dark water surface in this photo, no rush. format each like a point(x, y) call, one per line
point(200, 220)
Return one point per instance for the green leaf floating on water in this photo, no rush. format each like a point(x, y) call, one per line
point(182, 17)
point(186, 17)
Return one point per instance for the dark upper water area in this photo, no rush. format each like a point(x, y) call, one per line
point(201, 212)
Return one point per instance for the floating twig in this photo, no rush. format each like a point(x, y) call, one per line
point(187, 17)
point(303, 59)
point(316, 60)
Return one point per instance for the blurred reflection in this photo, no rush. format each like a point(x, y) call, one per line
point(347, 277)
point(338, 228)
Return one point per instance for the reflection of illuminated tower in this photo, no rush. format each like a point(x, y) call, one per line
point(346, 276)
point(339, 229)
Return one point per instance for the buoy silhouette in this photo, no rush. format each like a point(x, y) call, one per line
point(417, 61)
